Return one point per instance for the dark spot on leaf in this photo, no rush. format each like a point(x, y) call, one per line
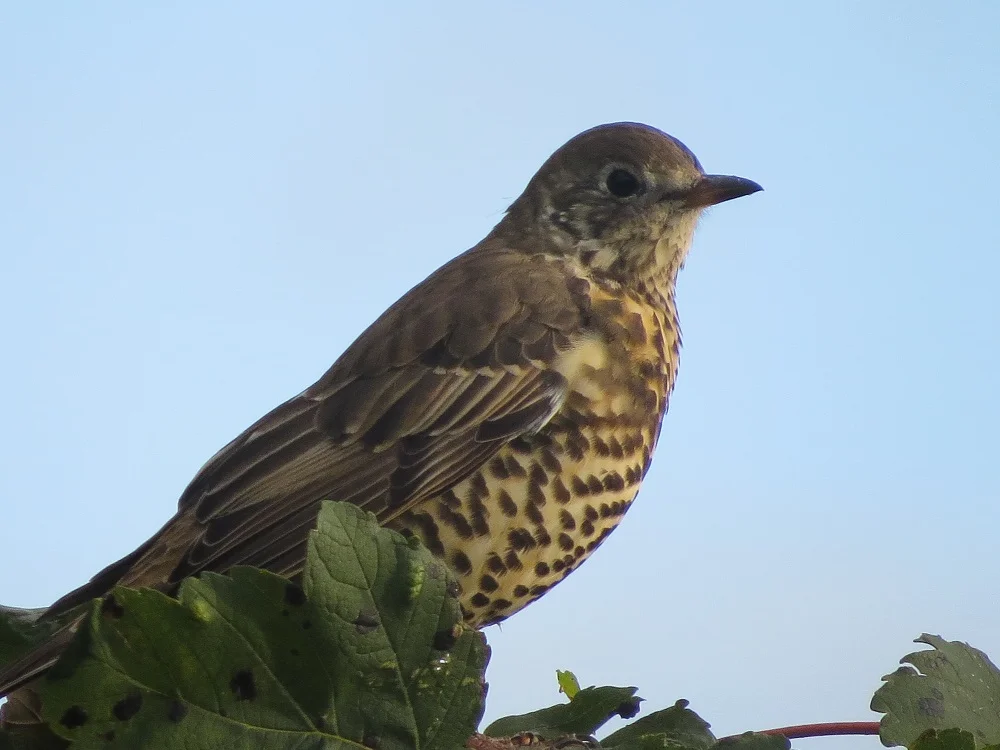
point(74, 717)
point(177, 711)
point(111, 608)
point(243, 686)
point(629, 708)
point(109, 736)
point(294, 595)
point(444, 640)
point(930, 707)
point(366, 622)
point(371, 740)
point(127, 707)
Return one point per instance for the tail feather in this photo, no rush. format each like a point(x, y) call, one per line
point(35, 663)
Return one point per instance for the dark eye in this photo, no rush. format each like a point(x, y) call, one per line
point(623, 184)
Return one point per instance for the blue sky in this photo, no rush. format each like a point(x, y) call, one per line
point(200, 208)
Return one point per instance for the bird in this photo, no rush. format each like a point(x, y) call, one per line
point(504, 411)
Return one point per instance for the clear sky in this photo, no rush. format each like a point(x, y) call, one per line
point(200, 208)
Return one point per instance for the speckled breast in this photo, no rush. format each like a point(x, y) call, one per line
point(543, 503)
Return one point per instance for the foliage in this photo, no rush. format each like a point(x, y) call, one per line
point(370, 652)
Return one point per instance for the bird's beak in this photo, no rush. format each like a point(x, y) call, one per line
point(718, 188)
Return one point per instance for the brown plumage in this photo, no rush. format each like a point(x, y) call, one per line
point(505, 410)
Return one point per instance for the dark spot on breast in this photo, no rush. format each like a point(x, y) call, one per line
point(444, 640)
point(550, 461)
point(512, 561)
point(479, 485)
point(455, 520)
point(539, 589)
point(507, 505)
point(615, 448)
point(111, 609)
point(567, 520)
point(580, 487)
point(542, 536)
point(449, 498)
point(479, 600)
point(614, 483)
point(600, 447)
point(605, 510)
point(579, 552)
point(565, 542)
point(520, 591)
point(479, 515)
point(576, 445)
point(366, 622)
point(558, 565)
point(541, 569)
point(495, 564)
point(294, 596)
point(632, 476)
point(488, 583)
point(538, 475)
point(587, 528)
point(127, 707)
point(595, 485)
point(590, 513)
point(520, 539)
point(532, 511)
point(461, 562)
point(562, 494)
point(176, 711)
point(243, 686)
point(73, 717)
point(498, 469)
point(514, 467)
point(501, 604)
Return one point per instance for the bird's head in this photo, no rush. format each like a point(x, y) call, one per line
point(623, 197)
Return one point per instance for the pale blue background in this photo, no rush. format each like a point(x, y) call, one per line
point(201, 207)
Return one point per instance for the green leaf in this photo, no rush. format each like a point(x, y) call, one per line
point(753, 741)
point(589, 710)
point(370, 651)
point(949, 686)
point(568, 683)
point(675, 727)
point(946, 739)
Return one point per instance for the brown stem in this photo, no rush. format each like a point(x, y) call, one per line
point(828, 729)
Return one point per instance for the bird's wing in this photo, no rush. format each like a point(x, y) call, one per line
point(462, 364)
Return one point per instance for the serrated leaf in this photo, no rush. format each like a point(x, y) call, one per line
point(949, 686)
point(369, 651)
point(589, 710)
point(678, 726)
point(753, 741)
point(568, 683)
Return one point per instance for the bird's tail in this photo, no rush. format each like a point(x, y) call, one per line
point(37, 661)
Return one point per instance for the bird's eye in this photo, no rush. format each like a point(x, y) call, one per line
point(623, 184)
